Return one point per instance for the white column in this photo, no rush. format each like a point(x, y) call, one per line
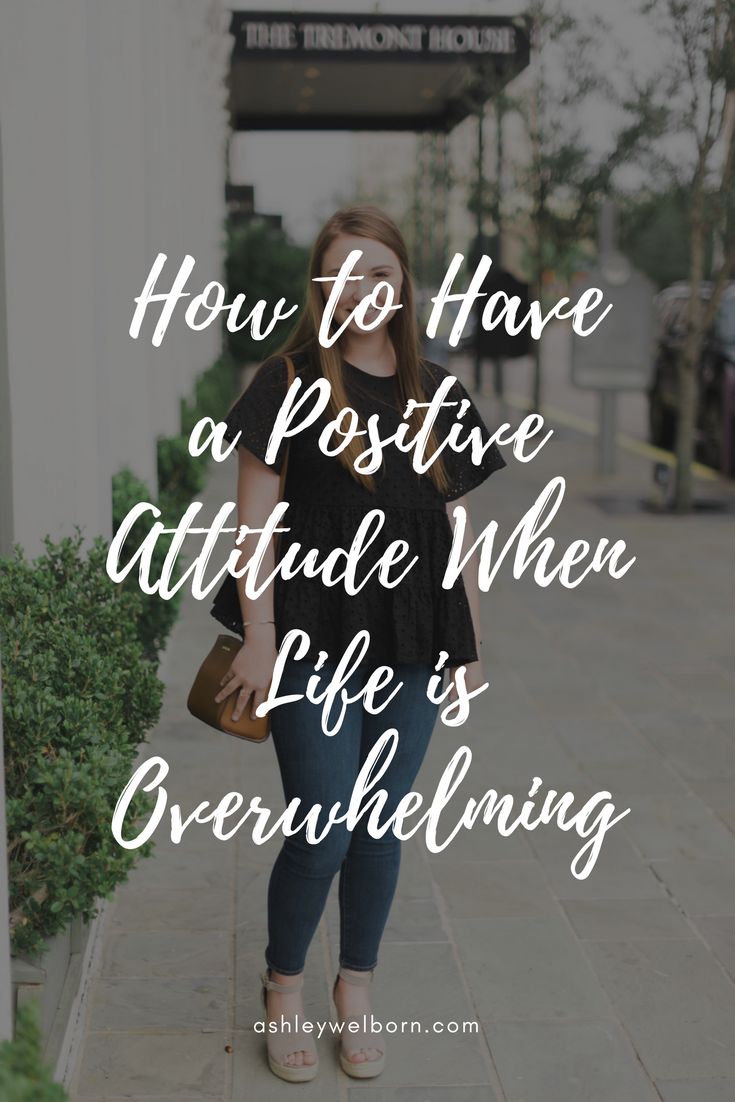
point(118, 214)
point(161, 202)
point(114, 123)
point(47, 197)
point(7, 511)
point(6, 522)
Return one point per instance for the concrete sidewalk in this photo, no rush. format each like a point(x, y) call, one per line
point(617, 988)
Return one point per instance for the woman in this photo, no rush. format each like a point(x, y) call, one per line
point(371, 371)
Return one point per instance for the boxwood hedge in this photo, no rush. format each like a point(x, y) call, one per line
point(24, 1077)
point(78, 697)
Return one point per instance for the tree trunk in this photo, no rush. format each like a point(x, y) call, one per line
point(535, 406)
point(536, 384)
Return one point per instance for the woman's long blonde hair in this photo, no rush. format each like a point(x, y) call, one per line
point(370, 222)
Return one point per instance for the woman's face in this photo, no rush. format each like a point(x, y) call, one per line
point(378, 264)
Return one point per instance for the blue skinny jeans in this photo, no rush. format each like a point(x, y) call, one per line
point(320, 768)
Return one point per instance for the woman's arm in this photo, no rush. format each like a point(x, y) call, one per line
point(252, 668)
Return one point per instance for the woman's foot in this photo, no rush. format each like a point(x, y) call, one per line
point(291, 1054)
point(362, 1053)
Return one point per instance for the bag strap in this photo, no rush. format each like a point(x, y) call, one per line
point(284, 466)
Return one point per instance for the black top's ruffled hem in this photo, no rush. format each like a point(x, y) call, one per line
point(412, 622)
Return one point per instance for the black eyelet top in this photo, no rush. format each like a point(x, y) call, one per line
point(417, 619)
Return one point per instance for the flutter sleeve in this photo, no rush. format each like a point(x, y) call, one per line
point(464, 475)
point(254, 413)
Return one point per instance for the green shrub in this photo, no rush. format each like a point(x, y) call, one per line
point(262, 263)
point(214, 391)
point(155, 617)
point(78, 697)
point(24, 1077)
point(181, 475)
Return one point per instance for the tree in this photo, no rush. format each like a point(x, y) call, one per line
point(561, 179)
point(653, 234)
point(697, 98)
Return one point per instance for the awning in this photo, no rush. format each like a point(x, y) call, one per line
point(326, 71)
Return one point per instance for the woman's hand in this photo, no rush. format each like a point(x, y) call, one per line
point(251, 670)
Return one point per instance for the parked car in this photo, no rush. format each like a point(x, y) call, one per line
point(715, 422)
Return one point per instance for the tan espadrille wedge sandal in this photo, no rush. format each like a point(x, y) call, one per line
point(351, 1042)
point(281, 1045)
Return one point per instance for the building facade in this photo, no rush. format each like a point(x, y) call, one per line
point(113, 134)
